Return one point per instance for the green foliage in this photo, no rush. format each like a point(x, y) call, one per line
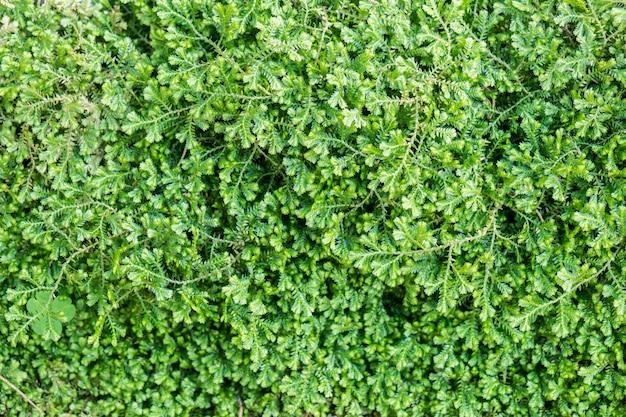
point(47, 314)
point(381, 208)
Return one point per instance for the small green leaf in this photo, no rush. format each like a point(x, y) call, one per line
point(62, 309)
point(257, 307)
point(47, 327)
point(38, 303)
point(48, 314)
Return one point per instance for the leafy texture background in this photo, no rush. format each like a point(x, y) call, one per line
point(379, 208)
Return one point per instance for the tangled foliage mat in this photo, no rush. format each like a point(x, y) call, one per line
point(312, 208)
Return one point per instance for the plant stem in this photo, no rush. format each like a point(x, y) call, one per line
point(19, 391)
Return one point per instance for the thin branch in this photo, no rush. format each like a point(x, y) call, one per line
point(547, 304)
point(422, 251)
point(19, 391)
point(240, 406)
point(599, 23)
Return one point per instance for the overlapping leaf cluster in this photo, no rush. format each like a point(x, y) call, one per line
point(313, 207)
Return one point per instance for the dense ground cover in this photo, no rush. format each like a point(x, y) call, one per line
point(350, 208)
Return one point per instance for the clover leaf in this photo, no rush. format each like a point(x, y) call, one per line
point(49, 313)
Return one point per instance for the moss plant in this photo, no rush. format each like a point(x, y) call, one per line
point(313, 208)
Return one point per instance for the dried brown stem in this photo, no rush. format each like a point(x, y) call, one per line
point(240, 407)
point(19, 391)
